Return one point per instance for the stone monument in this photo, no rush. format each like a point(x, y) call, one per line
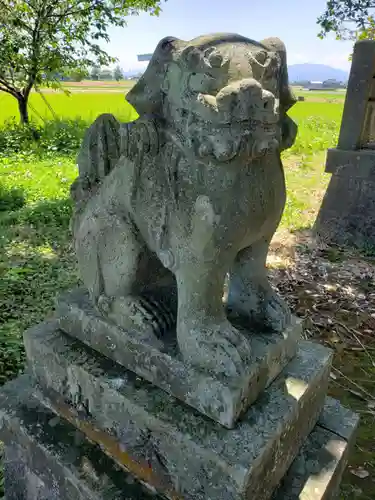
point(347, 214)
point(147, 382)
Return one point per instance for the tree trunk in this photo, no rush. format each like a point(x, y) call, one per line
point(22, 107)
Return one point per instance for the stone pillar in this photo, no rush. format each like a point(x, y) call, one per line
point(347, 213)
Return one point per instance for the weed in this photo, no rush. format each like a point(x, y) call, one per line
point(11, 199)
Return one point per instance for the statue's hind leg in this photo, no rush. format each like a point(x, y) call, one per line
point(251, 299)
point(117, 268)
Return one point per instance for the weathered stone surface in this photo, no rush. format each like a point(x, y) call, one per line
point(355, 164)
point(347, 214)
point(339, 420)
point(185, 452)
point(46, 458)
point(316, 472)
point(167, 206)
point(354, 129)
point(20, 482)
point(221, 398)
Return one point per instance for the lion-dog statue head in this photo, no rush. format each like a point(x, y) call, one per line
point(220, 95)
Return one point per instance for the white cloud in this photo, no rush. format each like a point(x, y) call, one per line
point(337, 60)
point(296, 58)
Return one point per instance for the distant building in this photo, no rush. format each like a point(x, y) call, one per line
point(315, 86)
point(330, 84)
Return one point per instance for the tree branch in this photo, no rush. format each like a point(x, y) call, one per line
point(35, 52)
point(8, 88)
point(8, 91)
point(72, 12)
point(20, 22)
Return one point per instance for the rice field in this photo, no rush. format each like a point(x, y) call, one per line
point(87, 100)
point(85, 105)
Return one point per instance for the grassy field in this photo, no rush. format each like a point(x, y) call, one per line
point(37, 259)
point(85, 105)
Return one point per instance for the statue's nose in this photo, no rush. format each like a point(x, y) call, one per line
point(246, 99)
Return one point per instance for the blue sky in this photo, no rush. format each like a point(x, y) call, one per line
point(294, 21)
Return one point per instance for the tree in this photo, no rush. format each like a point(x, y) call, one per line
point(95, 72)
point(118, 74)
point(349, 19)
point(77, 75)
point(105, 74)
point(39, 37)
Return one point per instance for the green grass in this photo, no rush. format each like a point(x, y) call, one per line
point(35, 247)
point(328, 95)
point(328, 112)
point(318, 128)
point(36, 255)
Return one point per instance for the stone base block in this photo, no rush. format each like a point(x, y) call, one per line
point(168, 445)
point(317, 471)
point(48, 459)
point(222, 399)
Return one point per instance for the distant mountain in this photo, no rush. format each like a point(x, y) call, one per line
point(315, 72)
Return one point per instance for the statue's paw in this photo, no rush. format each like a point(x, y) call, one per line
point(215, 347)
point(266, 311)
point(104, 304)
point(129, 313)
point(278, 315)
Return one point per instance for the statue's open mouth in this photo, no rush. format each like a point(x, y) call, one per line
point(253, 127)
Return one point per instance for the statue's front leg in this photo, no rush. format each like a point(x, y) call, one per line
point(205, 337)
point(251, 299)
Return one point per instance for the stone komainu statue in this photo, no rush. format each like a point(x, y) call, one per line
point(167, 206)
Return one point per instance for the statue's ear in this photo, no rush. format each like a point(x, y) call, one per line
point(289, 131)
point(287, 98)
point(146, 95)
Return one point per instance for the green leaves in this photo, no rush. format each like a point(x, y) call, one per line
point(348, 19)
point(40, 37)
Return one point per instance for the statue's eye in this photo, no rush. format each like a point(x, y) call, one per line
point(203, 82)
point(260, 57)
point(167, 43)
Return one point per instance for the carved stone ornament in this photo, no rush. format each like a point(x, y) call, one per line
point(169, 206)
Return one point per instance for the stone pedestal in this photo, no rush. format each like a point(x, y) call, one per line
point(347, 214)
point(78, 425)
point(223, 399)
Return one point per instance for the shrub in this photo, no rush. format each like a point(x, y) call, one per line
point(53, 136)
point(11, 199)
